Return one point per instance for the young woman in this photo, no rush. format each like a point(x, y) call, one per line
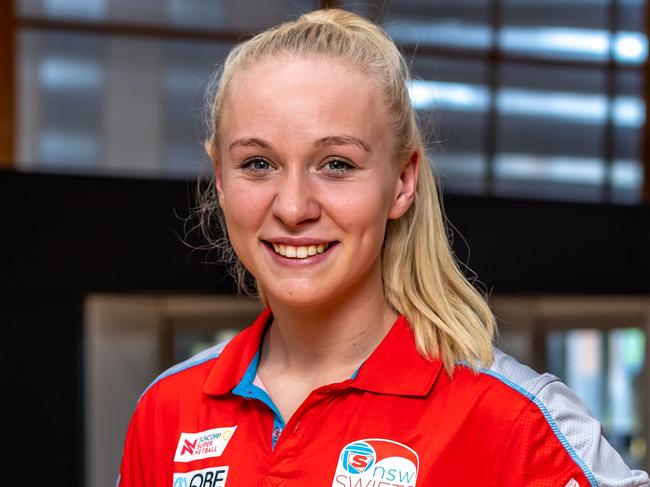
point(372, 364)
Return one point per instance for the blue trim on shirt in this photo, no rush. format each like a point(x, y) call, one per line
point(354, 376)
point(198, 359)
point(246, 388)
point(549, 418)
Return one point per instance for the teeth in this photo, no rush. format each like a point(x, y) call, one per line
point(301, 252)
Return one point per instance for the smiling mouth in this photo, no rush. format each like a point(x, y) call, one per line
point(299, 252)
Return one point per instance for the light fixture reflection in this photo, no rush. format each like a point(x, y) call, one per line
point(591, 44)
point(628, 111)
point(69, 73)
point(426, 95)
point(566, 42)
point(91, 9)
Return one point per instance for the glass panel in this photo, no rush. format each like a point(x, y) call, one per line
point(605, 368)
point(575, 29)
point(452, 101)
point(188, 67)
point(449, 23)
point(113, 104)
point(76, 90)
point(550, 129)
point(248, 16)
point(629, 117)
point(631, 15)
point(59, 84)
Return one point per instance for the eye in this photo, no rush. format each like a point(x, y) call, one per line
point(257, 164)
point(338, 165)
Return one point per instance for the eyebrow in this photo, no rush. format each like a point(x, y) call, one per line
point(248, 142)
point(325, 141)
point(342, 140)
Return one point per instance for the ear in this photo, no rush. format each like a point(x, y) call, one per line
point(405, 187)
point(218, 181)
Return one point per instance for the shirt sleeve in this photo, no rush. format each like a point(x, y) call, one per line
point(557, 442)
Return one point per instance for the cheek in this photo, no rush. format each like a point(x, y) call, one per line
point(361, 209)
point(245, 206)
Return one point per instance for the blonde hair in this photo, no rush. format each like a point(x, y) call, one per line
point(449, 317)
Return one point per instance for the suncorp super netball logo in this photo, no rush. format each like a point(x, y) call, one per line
point(205, 444)
point(376, 463)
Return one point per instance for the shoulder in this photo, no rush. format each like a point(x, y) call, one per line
point(500, 392)
point(547, 411)
point(188, 375)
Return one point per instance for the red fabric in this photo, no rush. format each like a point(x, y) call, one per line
point(472, 430)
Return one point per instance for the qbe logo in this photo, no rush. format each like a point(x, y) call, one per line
point(376, 462)
point(208, 477)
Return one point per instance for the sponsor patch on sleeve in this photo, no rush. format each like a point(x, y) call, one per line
point(205, 444)
point(208, 477)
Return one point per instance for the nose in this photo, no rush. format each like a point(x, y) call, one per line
point(295, 202)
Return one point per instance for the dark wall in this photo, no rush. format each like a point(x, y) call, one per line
point(74, 234)
point(525, 247)
point(66, 236)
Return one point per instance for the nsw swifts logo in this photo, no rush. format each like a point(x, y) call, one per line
point(376, 463)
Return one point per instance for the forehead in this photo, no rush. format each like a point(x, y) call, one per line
point(305, 95)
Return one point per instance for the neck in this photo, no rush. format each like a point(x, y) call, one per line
point(336, 336)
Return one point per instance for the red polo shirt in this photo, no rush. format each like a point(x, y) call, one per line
point(400, 421)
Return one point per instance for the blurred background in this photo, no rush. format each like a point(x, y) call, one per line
point(536, 113)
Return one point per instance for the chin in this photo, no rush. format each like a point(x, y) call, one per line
point(302, 297)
